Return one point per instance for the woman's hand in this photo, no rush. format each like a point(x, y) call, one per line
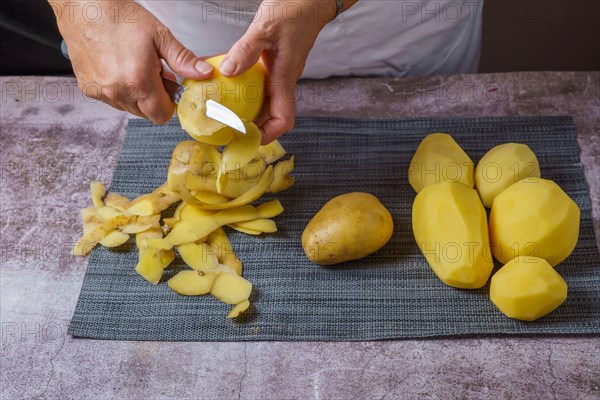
point(283, 32)
point(116, 49)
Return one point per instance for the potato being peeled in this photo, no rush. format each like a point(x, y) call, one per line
point(348, 227)
point(243, 94)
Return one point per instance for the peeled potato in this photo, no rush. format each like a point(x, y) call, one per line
point(348, 227)
point(534, 217)
point(527, 288)
point(450, 227)
point(440, 159)
point(502, 166)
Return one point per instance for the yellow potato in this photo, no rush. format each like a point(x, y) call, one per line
point(243, 94)
point(527, 288)
point(534, 217)
point(192, 283)
point(450, 227)
point(502, 166)
point(440, 159)
point(231, 288)
point(348, 227)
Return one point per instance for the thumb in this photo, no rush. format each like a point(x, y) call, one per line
point(178, 58)
point(243, 54)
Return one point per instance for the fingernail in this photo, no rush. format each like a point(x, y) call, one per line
point(227, 67)
point(203, 67)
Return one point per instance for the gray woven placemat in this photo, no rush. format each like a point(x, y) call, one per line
point(391, 294)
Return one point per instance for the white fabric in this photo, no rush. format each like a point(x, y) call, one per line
point(374, 37)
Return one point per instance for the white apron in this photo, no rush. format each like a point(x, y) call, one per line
point(374, 37)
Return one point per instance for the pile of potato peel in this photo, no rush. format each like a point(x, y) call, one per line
point(214, 189)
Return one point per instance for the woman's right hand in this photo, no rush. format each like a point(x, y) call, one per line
point(116, 49)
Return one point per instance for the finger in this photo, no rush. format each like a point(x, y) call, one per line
point(263, 115)
point(156, 104)
point(133, 108)
point(178, 58)
point(282, 110)
point(111, 96)
point(244, 53)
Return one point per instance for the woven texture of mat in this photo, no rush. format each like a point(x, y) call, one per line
point(390, 294)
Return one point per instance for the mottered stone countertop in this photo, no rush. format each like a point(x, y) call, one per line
point(54, 141)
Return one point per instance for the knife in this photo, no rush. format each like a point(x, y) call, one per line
point(214, 110)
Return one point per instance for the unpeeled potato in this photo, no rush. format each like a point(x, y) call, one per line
point(348, 227)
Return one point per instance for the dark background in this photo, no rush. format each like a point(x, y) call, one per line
point(518, 35)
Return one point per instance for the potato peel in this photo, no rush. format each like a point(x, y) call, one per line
point(216, 187)
point(98, 192)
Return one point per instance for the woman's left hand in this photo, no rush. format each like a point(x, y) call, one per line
point(283, 32)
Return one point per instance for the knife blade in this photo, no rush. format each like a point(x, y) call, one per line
point(173, 89)
point(224, 115)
